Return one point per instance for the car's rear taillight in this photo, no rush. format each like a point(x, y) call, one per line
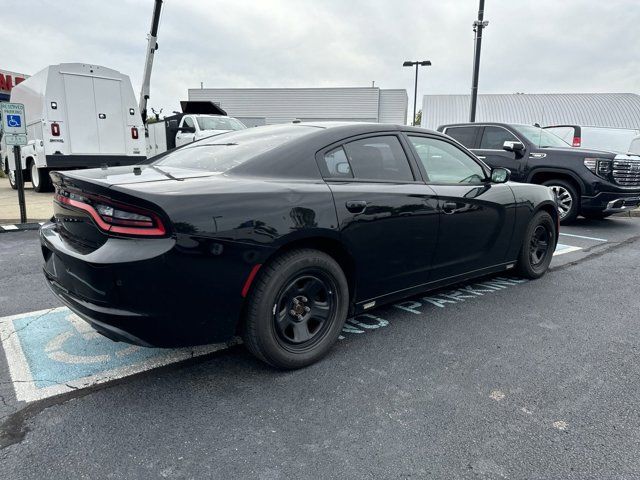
point(576, 141)
point(115, 217)
point(134, 133)
point(55, 130)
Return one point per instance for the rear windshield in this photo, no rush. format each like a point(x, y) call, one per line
point(223, 152)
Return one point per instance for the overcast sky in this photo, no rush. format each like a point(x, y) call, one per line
point(531, 46)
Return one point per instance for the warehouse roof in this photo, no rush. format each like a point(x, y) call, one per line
point(620, 110)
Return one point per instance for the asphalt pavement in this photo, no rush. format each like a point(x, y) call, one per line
point(496, 378)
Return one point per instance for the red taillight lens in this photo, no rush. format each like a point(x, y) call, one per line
point(115, 217)
point(576, 141)
point(134, 133)
point(55, 130)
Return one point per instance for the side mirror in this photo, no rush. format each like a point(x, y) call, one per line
point(511, 146)
point(500, 175)
point(187, 129)
point(343, 168)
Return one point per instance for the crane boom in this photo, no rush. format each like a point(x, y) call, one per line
point(152, 46)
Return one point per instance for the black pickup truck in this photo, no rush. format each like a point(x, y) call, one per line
point(591, 183)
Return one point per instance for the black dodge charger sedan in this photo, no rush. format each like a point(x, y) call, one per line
point(279, 233)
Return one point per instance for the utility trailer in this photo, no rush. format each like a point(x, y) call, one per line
point(77, 116)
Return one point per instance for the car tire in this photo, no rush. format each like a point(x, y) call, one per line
point(568, 199)
point(538, 245)
point(596, 215)
point(296, 309)
point(39, 178)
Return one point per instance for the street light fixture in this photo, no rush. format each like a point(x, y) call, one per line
point(423, 63)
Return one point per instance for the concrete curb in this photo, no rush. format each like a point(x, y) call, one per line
point(18, 227)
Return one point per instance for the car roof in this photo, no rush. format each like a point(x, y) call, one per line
point(482, 124)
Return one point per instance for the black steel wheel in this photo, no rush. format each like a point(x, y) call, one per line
point(296, 309)
point(538, 246)
point(304, 309)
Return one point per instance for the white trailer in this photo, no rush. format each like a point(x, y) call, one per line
point(78, 116)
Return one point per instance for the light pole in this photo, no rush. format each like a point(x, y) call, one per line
point(478, 25)
point(423, 63)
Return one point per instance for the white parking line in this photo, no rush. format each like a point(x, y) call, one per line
point(586, 238)
point(562, 249)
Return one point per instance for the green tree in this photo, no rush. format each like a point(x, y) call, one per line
point(418, 120)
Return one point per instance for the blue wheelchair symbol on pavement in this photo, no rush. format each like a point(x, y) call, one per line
point(53, 351)
point(14, 121)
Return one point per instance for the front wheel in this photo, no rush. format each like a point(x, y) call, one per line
point(537, 246)
point(568, 199)
point(296, 309)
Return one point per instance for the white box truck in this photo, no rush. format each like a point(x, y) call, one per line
point(77, 116)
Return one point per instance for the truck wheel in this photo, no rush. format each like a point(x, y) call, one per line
point(39, 178)
point(537, 246)
point(296, 309)
point(12, 179)
point(568, 199)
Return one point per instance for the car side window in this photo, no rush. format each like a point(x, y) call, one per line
point(465, 135)
point(188, 122)
point(493, 138)
point(379, 158)
point(337, 163)
point(446, 163)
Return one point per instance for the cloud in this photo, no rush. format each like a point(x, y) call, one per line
point(542, 46)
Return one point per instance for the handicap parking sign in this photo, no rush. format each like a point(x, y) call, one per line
point(14, 121)
point(12, 115)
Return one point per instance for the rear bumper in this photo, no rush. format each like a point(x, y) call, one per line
point(154, 292)
point(612, 202)
point(109, 317)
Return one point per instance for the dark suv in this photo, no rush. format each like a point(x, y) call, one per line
point(591, 183)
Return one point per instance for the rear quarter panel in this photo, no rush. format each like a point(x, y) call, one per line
point(529, 200)
point(261, 212)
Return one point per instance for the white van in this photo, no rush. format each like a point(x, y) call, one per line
point(596, 138)
point(78, 116)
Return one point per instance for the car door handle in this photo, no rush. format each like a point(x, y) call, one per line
point(449, 207)
point(356, 206)
point(481, 157)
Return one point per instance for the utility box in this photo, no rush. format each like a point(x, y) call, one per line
point(78, 116)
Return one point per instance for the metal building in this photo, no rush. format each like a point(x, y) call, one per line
point(620, 110)
point(265, 106)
